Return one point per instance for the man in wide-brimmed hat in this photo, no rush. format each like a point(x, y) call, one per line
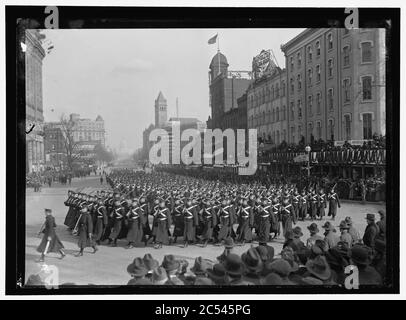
point(361, 257)
point(345, 236)
point(280, 267)
point(253, 265)
point(201, 266)
point(314, 230)
point(295, 243)
point(371, 231)
point(382, 225)
point(150, 263)
point(235, 269)
point(138, 271)
point(228, 249)
point(171, 266)
point(159, 276)
point(319, 268)
point(330, 237)
point(266, 252)
point(218, 274)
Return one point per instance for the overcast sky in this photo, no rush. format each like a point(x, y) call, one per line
point(119, 73)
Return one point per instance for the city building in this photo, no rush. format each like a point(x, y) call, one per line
point(266, 101)
point(34, 55)
point(336, 85)
point(87, 131)
point(54, 145)
point(225, 88)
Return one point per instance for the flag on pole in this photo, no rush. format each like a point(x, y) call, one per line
point(212, 40)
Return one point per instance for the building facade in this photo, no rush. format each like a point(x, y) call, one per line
point(34, 55)
point(226, 87)
point(161, 110)
point(267, 107)
point(88, 131)
point(335, 85)
point(54, 145)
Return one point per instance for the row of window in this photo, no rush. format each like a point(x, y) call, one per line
point(278, 137)
point(365, 46)
point(267, 94)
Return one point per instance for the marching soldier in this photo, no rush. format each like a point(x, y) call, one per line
point(245, 223)
point(70, 216)
point(177, 219)
point(288, 217)
point(101, 221)
point(162, 223)
point(333, 203)
point(312, 203)
point(225, 221)
point(295, 203)
point(209, 220)
point(85, 226)
point(135, 217)
point(264, 221)
point(50, 241)
point(302, 205)
point(275, 218)
point(321, 204)
point(117, 215)
point(190, 221)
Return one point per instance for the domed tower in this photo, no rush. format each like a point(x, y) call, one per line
point(160, 110)
point(218, 65)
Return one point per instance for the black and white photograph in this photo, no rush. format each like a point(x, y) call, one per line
point(200, 155)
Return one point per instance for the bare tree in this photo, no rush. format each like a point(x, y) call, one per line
point(73, 148)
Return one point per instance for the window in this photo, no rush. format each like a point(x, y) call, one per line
point(292, 134)
point(366, 52)
point(310, 74)
point(330, 41)
point(346, 56)
point(318, 129)
point(292, 64)
point(331, 129)
point(310, 105)
point(347, 126)
point(292, 111)
point(330, 99)
point(283, 88)
point(299, 59)
point(346, 85)
point(277, 137)
point(309, 53)
point(367, 125)
point(299, 109)
point(310, 133)
point(299, 82)
point(330, 67)
point(367, 88)
point(318, 103)
point(284, 113)
point(318, 48)
point(299, 132)
point(273, 115)
point(277, 114)
point(277, 90)
point(272, 93)
point(292, 86)
point(318, 73)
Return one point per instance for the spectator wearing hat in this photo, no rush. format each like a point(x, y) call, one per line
point(371, 231)
point(218, 274)
point(159, 276)
point(253, 265)
point(137, 271)
point(361, 257)
point(282, 268)
point(382, 225)
point(303, 256)
point(289, 255)
point(201, 266)
point(265, 252)
point(295, 243)
point(330, 237)
point(50, 241)
point(228, 249)
point(150, 263)
point(273, 279)
point(235, 269)
point(352, 231)
point(319, 268)
point(203, 281)
point(345, 236)
point(171, 266)
point(338, 259)
point(314, 230)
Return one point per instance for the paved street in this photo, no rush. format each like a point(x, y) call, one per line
point(108, 265)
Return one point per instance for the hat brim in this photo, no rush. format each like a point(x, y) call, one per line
point(323, 276)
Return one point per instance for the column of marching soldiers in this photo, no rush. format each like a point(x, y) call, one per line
point(142, 208)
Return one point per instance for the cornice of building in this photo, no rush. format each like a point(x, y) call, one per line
point(301, 37)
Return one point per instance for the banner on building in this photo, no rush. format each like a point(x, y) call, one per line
point(262, 64)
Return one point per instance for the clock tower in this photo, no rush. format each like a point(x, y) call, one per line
point(160, 111)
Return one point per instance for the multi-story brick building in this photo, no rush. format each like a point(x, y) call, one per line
point(34, 54)
point(54, 145)
point(266, 111)
point(336, 84)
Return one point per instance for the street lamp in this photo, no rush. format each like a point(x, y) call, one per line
point(308, 149)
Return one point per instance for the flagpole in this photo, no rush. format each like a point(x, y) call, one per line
point(218, 52)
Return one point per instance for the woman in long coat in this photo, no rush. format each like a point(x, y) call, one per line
point(162, 223)
point(101, 221)
point(85, 227)
point(50, 241)
point(136, 222)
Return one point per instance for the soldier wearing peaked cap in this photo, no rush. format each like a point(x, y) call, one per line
point(209, 220)
point(245, 218)
point(190, 221)
point(101, 220)
point(50, 241)
point(162, 223)
point(333, 203)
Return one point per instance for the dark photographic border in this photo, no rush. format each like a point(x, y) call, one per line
point(18, 18)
